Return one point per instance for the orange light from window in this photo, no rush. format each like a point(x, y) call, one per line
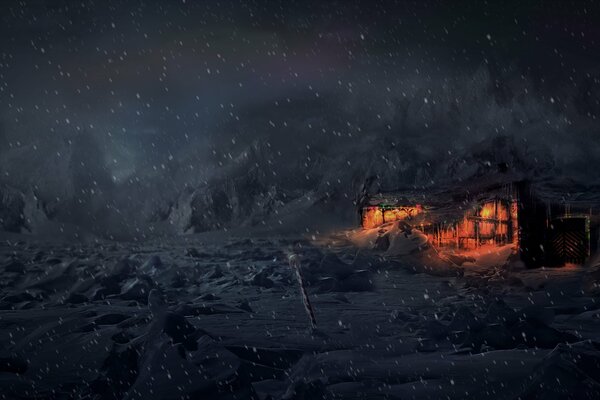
point(488, 210)
point(373, 216)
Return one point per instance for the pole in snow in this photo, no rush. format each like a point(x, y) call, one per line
point(295, 265)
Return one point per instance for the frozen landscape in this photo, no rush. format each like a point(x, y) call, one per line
point(221, 316)
point(278, 200)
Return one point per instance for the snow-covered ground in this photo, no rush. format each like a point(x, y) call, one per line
point(220, 316)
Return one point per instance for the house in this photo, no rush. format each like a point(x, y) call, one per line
point(545, 230)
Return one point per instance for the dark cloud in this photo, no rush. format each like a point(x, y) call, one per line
point(170, 94)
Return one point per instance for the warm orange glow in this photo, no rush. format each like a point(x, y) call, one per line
point(492, 222)
point(488, 210)
point(571, 266)
point(514, 218)
point(371, 217)
point(374, 216)
point(444, 236)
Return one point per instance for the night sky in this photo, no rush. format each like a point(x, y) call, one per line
point(140, 91)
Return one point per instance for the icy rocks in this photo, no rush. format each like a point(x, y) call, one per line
point(591, 280)
point(568, 372)
point(537, 314)
point(136, 288)
point(57, 278)
point(500, 313)
point(180, 331)
point(257, 337)
point(245, 306)
point(152, 264)
point(156, 302)
point(110, 319)
point(209, 297)
point(12, 205)
point(500, 328)
point(434, 330)
point(209, 371)
point(465, 320)
point(119, 270)
point(496, 336)
point(12, 364)
point(18, 298)
point(301, 390)
point(110, 279)
point(331, 265)
point(535, 334)
point(331, 274)
point(262, 279)
point(118, 373)
point(14, 266)
point(173, 324)
point(276, 358)
point(76, 298)
point(359, 281)
point(194, 253)
point(217, 273)
point(401, 316)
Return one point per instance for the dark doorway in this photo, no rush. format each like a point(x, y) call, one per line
point(532, 227)
point(569, 240)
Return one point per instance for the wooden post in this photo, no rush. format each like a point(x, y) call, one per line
point(456, 234)
point(496, 221)
point(476, 228)
point(295, 264)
